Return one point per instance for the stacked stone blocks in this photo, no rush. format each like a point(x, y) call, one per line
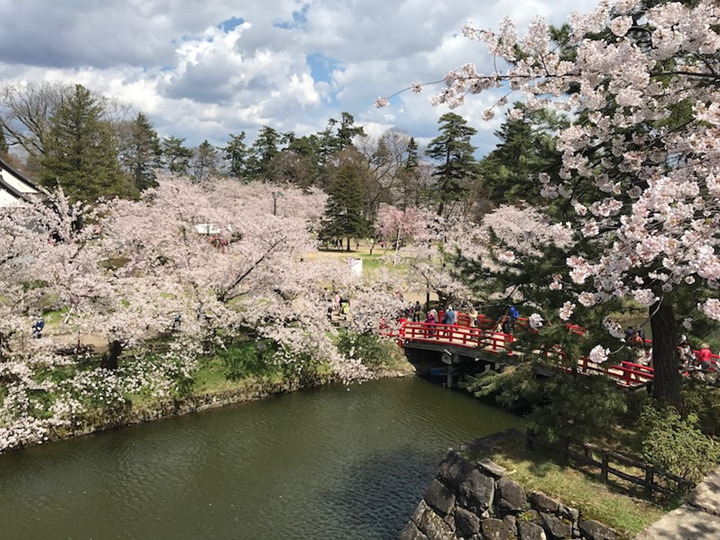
point(477, 500)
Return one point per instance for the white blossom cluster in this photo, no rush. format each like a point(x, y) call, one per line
point(655, 224)
point(192, 266)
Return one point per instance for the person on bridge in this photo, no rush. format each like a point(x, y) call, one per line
point(511, 319)
point(473, 318)
point(630, 334)
point(416, 313)
point(450, 316)
point(640, 335)
point(704, 357)
point(430, 320)
point(687, 356)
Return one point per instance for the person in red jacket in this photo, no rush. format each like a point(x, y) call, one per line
point(704, 357)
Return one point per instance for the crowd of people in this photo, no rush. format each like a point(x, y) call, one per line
point(696, 361)
point(413, 312)
point(338, 306)
point(700, 361)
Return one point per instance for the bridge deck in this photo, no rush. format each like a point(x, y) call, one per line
point(484, 341)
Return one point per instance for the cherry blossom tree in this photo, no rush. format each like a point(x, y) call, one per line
point(241, 264)
point(640, 171)
point(196, 265)
point(429, 255)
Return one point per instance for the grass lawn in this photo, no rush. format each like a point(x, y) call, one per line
point(370, 262)
point(615, 505)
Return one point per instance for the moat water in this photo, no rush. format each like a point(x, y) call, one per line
point(337, 462)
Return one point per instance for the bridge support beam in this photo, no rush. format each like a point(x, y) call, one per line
point(451, 359)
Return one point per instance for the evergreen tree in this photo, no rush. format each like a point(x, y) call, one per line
point(262, 154)
point(140, 151)
point(81, 150)
point(236, 154)
point(344, 209)
point(526, 148)
point(205, 162)
point(336, 137)
point(348, 130)
point(408, 175)
point(302, 161)
point(3, 142)
point(458, 167)
point(176, 156)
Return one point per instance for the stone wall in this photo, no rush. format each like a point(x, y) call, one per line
point(478, 500)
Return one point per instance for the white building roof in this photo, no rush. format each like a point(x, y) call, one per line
point(15, 187)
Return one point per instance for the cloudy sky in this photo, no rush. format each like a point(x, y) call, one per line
point(202, 69)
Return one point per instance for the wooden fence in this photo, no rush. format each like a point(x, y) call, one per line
point(584, 453)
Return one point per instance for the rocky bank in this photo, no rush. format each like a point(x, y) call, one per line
point(476, 500)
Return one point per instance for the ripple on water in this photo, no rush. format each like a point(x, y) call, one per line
point(333, 462)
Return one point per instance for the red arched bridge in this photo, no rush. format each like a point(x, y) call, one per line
point(485, 339)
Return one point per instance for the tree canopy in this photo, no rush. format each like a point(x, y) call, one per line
point(80, 150)
point(639, 171)
point(457, 168)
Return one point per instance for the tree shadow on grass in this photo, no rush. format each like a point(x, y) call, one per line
point(542, 462)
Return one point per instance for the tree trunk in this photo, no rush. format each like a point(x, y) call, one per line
point(110, 358)
point(666, 384)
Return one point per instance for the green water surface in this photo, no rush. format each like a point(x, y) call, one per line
point(337, 462)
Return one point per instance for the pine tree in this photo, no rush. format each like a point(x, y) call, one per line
point(236, 155)
point(262, 154)
point(408, 174)
point(526, 149)
point(176, 156)
point(458, 168)
point(344, 209)
point(301, 165)
point(205, 162)
point(81, 151)
point(141, 152)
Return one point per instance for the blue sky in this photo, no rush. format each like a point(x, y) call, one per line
point(202, 69)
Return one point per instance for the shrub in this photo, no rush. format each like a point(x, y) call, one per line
point(563, 406)
point(704, 401)
point(676, 444)
point(373, 351)
point(241, 360)
point(579, 408)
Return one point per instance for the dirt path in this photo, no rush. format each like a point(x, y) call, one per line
point(697, 519)
point(96, 341)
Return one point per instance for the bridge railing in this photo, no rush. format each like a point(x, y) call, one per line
point(485, 335)
point(464, 336)
point(626, 374)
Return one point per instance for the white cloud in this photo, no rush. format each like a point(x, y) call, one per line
point(171, 59)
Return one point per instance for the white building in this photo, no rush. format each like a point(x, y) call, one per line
point(16, 188)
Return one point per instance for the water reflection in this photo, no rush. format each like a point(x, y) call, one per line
point(333, 462)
